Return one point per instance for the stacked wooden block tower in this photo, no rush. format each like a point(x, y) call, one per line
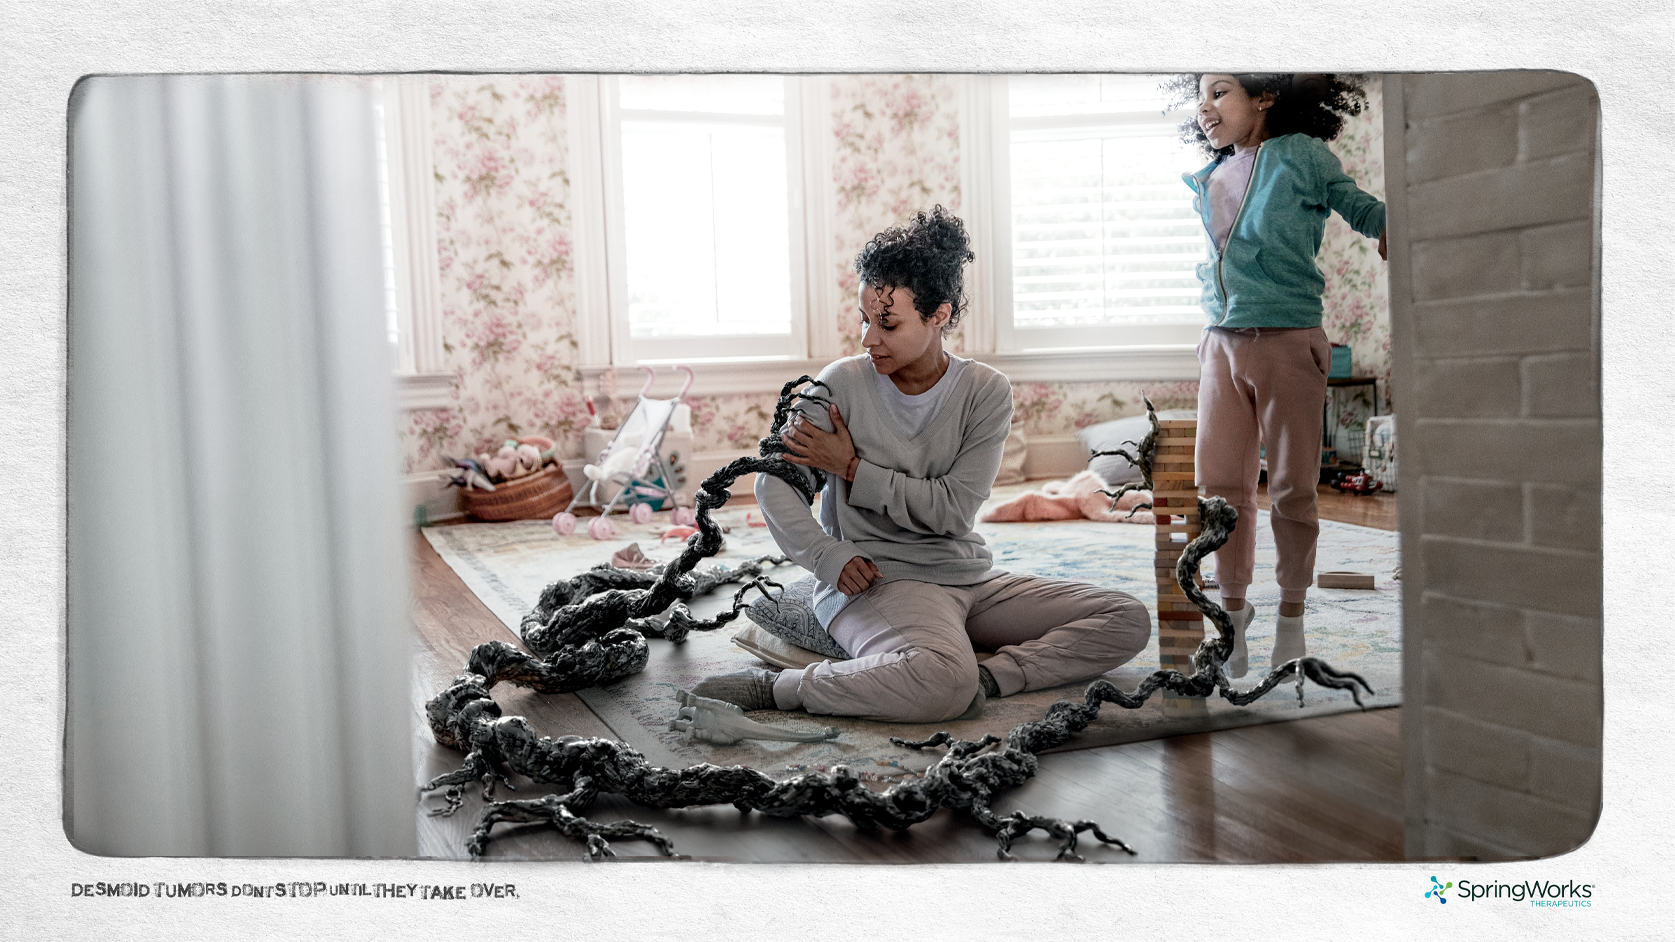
point(1180, 625)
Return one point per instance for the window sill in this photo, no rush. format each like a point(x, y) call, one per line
point(424, 391)
point(1152, 362)
point(761, 375)
point(718, 377)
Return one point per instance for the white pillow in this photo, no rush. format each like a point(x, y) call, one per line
point(1117, 433)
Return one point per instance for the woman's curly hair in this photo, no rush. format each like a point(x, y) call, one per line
point(1304, 103)
point(927, 257)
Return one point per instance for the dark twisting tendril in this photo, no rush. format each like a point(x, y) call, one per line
point(591, 630)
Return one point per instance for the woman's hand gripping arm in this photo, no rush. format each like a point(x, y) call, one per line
point(833, 561)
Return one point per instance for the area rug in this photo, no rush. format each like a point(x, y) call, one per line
point(508, 564)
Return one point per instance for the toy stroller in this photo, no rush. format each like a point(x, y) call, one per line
point(631, 471)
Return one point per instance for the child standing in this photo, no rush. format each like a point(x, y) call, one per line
point(1264, 358)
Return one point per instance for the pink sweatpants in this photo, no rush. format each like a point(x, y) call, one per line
point(913, 645)
point(1256, 386)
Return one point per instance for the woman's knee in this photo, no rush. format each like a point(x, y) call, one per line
point(1127, 628)
point(936, 686)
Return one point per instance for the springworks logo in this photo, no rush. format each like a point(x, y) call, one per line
point(1437, 889)
point(1536, 893)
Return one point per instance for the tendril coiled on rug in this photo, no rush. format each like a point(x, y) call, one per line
point(592, 630)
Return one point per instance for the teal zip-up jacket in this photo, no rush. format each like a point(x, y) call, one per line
point(1266, 276)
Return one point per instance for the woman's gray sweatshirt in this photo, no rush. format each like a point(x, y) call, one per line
point(914, 500)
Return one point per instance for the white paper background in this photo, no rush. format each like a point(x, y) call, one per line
point(1624, 47)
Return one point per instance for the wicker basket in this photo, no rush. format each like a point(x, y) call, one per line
point(532, 497)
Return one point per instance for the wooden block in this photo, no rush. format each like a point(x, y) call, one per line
point(1194, 615)
point(1169, 424)
point(1176, 527)
point(1345, 580)
point(1177, 477)
point(1188, 497)
point(1175, 449)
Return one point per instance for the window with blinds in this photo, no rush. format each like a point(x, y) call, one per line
point(1104, 237)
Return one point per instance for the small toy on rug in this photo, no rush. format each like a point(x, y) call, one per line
point(1078, 498)
point(1357, 482)
point(720, 723)
point(1345, 580)
point(632, 557)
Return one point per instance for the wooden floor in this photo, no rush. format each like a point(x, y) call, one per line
point(1326, 789)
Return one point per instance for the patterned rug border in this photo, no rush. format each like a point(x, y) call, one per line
point(495, 562)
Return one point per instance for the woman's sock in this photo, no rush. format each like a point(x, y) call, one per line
point(749, 689)
point(1288, 639)
point(1238, 663)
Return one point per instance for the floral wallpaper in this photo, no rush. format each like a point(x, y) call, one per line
point(508, 296)
point(503, 246)
point(897, 144)
point(1357, 280)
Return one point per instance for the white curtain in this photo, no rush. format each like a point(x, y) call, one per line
point(238, 634)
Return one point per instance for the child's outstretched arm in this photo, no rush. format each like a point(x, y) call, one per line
point(1363, 211)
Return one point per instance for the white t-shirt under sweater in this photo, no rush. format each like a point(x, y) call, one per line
point(912, 412)
point(915, 497)
point(1228, 183)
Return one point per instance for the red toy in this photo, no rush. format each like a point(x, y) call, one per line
point(1358, 482)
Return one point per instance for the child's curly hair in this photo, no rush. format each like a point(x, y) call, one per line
point(927, 257)
point(1304, 103)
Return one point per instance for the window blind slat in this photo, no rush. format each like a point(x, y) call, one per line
point(1103, 230)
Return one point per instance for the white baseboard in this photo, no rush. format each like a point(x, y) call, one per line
point(1055, 456)
point(425, 489)
point(1049, 456)
point(699, 465)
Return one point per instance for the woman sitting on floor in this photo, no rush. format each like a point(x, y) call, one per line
point(911, 444)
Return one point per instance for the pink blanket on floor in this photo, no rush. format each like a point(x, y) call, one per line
point(1074, 499)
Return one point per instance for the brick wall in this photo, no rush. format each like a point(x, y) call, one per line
point(1494, 277)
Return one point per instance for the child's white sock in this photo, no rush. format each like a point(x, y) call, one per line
point(1288, 639)
point(1238, 663)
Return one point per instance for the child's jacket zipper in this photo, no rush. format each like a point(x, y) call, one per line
point(1221, 285)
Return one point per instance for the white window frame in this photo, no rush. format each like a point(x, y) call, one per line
point(985, 162)
point(601, 251)
point(422, 379)
point(1042, 355)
